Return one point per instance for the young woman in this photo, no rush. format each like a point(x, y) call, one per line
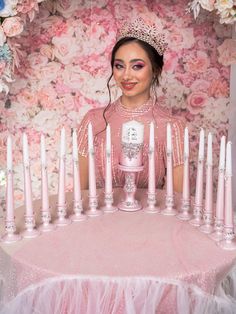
point(136, 61)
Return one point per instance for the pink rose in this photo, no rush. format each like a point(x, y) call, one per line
point(13, 26)
point(227, 52)
point(67, 7)
point(210, 74)
point(197, 63)
point(200, 85)
point(47, 51)
point(196, 101)
point(171, 61)
point(219, 88)
point(27, 98)
point(24, 6)
point(65, 48)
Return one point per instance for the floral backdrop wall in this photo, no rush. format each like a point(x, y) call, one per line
point(63, 66)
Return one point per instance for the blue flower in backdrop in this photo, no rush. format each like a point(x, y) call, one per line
point(2, 4)
point(5, 53)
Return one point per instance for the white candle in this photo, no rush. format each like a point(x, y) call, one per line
point(75, 145)
point(25, 150)
point(63, 143)
point(108, 181)
point(92, 173)
point(222, 153)
point(209, 150)
point(133, 132)
point(43, 153)
point(201, 146)
point(151, 137)
point(108, 139)
point(90, 138)
point(9, 153)
point(169, 140)
point(186, 143)
point(228, 169)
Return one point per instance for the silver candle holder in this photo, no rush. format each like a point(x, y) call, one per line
point(10, 235)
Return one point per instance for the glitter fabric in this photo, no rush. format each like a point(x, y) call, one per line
point(116, 116)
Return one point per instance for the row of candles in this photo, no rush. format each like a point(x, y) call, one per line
point(219, 224)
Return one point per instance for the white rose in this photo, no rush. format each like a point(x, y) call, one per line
point(207, 4)
point(222, 5)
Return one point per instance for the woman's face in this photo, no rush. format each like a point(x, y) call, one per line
point(132, 71)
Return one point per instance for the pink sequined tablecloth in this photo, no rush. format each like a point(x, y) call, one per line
point(102, 257)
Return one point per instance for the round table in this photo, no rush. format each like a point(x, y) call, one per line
point(116, 263)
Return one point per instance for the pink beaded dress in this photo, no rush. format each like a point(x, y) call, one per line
point(116, 115)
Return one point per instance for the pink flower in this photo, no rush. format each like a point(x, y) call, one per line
point(65, 48)
point(210, 74)
point(47, 97)
point(197, 63)
point(13, 26)
point(196, 101)
point(67, 8)
point(171, 61)
point(227, 52)
point(200, 85)
point(219, 88)
point(27, 98)
point(24, 6)
point(180, 38)
point(47, 51)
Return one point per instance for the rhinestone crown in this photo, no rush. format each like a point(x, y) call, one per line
point(148, 33)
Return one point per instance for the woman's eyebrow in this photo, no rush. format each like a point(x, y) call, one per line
point(131, 61)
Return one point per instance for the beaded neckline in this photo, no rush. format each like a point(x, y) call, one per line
point(126, 112)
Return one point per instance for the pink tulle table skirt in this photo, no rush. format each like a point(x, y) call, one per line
point(118, 263)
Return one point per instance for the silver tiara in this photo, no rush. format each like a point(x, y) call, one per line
point(148, 33)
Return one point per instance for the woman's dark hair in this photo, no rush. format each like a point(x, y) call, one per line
point(154, 57)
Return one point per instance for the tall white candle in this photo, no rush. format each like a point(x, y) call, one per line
point(186, 143)
point(108, 139)
point(151, 137)
point(90, 138)
point(169, 140)
point(201, 146)
point(75, 145)
point(9, 153)
point(43, 153)
point(92, 174)
point(108, 181)
point(228, 169)
point(63, 143)
point(209, 149)
point(222, 153)
point(25, 150)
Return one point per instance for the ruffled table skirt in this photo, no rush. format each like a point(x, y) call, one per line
point(118, 263)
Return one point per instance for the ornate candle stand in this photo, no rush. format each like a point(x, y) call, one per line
point(10, 235)
point(78, 209)
point(62, 220)
point(185, 208)
point(218, 235)
point(46, 210)
point(93, 205)
point(151, 204)
point(169, 210)
point(30, 231)
point(108, 207)
point(130, 204)
point(228, 242)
